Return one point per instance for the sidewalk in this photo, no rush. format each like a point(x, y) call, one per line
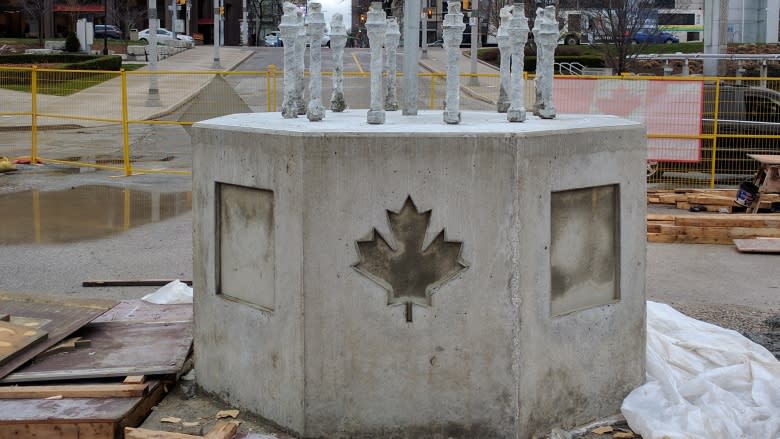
point(487, 88)
point(103, 101)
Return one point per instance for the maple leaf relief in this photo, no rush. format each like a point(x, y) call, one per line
point(409, 272)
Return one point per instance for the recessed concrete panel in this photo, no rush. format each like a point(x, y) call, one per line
point(245, 240)
point(584, 258)
point(452, 222)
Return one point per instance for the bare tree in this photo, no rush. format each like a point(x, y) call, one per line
point(614, 25)
point(36, 10)
point(120, 13)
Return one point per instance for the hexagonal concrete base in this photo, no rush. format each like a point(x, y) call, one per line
point(416, 278)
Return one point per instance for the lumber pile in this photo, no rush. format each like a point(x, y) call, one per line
point(709, 200)
point(709, 228)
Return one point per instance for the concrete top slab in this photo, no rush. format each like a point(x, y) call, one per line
point(353, 122)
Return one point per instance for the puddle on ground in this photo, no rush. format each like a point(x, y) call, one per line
point(83, 213)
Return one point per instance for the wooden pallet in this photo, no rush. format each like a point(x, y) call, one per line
point(97, 411)
point(711, 228)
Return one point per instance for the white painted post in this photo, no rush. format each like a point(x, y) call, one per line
point(505, 48)
point(411, 37)
point(375, 26)
point(518, 34)
point(338, 40)
point(289, 28)
point(300, 53)
point(316, 29)
point(546, 38)
point(453, 35)
point(392, 39)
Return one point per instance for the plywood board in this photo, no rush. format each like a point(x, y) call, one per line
point(140, 311)
point(14, 339)
point(62, 316)
point(117, 349)
point(758, 245)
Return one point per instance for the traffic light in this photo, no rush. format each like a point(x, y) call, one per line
point(222, 11)
point(181, 2)
point(466, 5)
point(430, 13)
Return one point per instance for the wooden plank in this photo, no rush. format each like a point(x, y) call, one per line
point(135, 379)
point(660, 217)
point(91, 430)
point(143, 433)
point(139, 311)
point(660, 238)
point(758, 245)
point(710, 200)
point(733, 220)
point(223, 430)
point(74, 391)
point(135, 416)
point(131, 282)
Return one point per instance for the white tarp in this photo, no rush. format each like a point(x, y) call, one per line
point(172, 293)
point(703, 382)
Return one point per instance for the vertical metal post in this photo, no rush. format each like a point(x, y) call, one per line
point(153, 97)
point(34, 115)
point(268, 90)
point(474, 20)
point(411, 37)
point(424, 35)
point(125, 126)
point(216, 64)
point(714, 133)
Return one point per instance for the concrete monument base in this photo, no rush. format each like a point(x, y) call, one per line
point(418, 279)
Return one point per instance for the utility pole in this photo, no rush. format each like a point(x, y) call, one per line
point(153, 97)
point(217, 11)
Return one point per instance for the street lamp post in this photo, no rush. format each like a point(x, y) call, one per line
point(216, 64)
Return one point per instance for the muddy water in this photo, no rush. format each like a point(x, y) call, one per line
point(83, 213)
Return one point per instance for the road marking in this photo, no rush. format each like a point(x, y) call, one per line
point(357, 62)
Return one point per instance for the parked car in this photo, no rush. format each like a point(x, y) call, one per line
point(273, 39)
point(653, 36)
point(107, 30)
point(164, 34)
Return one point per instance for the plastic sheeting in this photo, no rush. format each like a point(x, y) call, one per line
point(172, 293)
point(703, 382)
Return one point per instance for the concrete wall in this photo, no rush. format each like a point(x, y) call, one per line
point(330, 358)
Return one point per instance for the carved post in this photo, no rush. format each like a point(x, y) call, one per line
point(546, 38)
point(518, 35)
point(315, 32)
point(289, 28)
point(505, 48)
point(392, 39)
point(376, 25)
point(300, 52)
point(453, 34)
point(338, 39)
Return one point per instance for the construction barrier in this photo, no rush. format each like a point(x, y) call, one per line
point(700, 130)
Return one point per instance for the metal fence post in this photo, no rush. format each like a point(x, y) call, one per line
point(268, 90)
point(715, 133)
point(34, 115)
point(125, 126)
point(432, 99)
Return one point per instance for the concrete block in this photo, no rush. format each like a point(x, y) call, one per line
point(54, 45)
point(418, 279)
